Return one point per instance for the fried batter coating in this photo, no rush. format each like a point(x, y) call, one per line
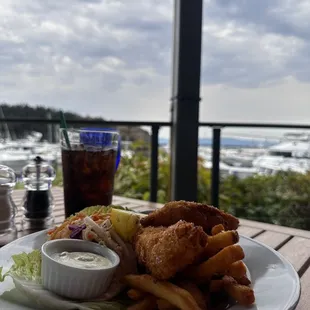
point(193, 212)
point(166, 251)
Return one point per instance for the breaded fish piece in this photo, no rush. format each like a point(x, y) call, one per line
point(193, 212)
point(166, 251)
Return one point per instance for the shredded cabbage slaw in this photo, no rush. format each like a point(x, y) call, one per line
point(91, 224)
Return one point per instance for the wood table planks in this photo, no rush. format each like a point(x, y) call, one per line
point(273, 239)
point(297, 251)
point(249, 231)
point(276, 228)
point(294, 244)
point(304, 303)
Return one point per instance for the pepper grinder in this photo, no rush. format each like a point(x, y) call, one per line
point(8, 210)
point(37, 204)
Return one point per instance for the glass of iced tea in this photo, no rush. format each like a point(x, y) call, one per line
point(90, 157)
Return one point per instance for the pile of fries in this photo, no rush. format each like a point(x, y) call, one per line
point(220, 272)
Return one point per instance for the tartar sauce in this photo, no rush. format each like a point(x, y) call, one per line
point(83, 260)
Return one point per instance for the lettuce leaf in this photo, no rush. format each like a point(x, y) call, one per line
point(101, 209)
point(45, 299)
point(40, 297)
point(26, 275)
point(27, 266)
point(121, 208)
point(91, 210)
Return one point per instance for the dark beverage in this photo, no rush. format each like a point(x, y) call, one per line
point(88, 178)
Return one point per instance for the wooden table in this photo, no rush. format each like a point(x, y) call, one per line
point(292, 243)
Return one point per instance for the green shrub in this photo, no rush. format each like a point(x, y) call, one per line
point(282, 199)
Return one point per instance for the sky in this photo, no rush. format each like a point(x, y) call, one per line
point(113, 58)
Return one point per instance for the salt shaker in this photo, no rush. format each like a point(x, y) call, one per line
point(8, 210)
point(37, 204)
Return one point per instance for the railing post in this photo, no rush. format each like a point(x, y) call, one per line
point(185, 98)
point(154, 164)
point(215, 177)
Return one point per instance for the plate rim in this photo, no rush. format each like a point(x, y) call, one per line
point(296, 294)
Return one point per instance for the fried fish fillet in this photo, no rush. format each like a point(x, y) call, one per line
point(164, 251)
point(193, 212)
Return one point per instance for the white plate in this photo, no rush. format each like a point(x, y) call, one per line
point(275, 282)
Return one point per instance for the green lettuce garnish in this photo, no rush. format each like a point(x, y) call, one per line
point(27, 266)
point(94, 209)
point(26, 275)
point(101, 209)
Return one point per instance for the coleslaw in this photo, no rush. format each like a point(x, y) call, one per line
point(91, 224)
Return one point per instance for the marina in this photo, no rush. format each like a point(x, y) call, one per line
point(292, 153)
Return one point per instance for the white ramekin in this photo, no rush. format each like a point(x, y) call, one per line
point(72, 282)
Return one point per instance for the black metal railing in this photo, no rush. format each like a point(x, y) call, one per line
point(155, 127)
point(216, 148)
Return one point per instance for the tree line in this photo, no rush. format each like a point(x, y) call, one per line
point(20, 130)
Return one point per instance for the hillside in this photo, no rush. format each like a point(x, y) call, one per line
point(20, 130)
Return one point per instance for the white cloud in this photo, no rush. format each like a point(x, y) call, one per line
point(113, 58)
point(296, 13)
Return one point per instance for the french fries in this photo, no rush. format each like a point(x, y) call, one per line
point(216, 286)
point(220, 241)
point(194, 290)
point(147, 303)
point(236, 270)
point(135, 294)
point(177, 296)
point(216, 264)
point(165, 305)
point(217, 229)
point(243, 280)
point(244, 295)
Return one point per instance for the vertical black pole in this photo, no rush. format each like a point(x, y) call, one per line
point(215, 181)
point(185, 98)
point(154, 164)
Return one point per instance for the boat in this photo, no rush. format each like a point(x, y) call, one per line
point(292, 154)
